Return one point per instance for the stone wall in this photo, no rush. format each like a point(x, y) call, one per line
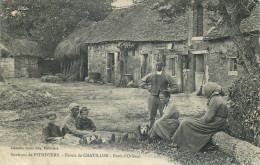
point(97, 59)
point(7, 65)
point(218, 62)
point(26, 66)
point(220, 53)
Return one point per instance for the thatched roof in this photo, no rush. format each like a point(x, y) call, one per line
point(250, 24)
point(3, 50)
point(24, 47)
point(69, 47)
point(138, 23)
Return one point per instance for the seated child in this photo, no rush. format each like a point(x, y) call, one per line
point(51, 132)
point(83, 122)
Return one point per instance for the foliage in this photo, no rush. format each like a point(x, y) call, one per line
point(49, 21)
point(234, 12)
point(168, 8)
point(239, 8)
point(126, 46)
point(244, 111)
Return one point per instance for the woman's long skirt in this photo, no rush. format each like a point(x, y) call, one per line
point(193, 134)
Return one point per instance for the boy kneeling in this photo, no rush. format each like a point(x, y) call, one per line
point(51, 132)
point(83, 122)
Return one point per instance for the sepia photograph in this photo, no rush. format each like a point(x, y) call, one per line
point(130, 82)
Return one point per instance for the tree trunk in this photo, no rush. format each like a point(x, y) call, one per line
point(245, 50)
point(64, 67)
point(81, 73)
point(61, 66)
point(233, 17)
point(1, 76)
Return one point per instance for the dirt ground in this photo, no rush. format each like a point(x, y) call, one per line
point(113, 109)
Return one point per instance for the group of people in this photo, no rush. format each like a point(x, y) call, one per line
point(192, 134)
point(75, 124)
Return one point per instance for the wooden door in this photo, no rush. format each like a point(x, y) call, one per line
point(199, 70)
point(185, 71)
point(110, 68)
point(144, 65)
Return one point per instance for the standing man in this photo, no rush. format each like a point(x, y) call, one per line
point(155, 83)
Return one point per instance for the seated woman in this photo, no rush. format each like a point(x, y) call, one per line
point(166, 126)
point(193, 134)
point(74, 135)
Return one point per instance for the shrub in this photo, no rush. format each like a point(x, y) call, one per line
point(244, 117)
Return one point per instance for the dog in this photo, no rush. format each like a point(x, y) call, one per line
point(143, 132)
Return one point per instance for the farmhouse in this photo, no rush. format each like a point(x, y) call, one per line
point(126, 45)
point(220, 53)
point(24, 58)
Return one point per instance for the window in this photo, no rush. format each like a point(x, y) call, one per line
point(164, 59)
point(199, 63)
point(186, 62)
point(233, 64)
point(118, 57)
point(172, 66)
point(198, 21)
point(111, 59)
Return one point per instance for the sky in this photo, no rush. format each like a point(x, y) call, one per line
point(122, 3)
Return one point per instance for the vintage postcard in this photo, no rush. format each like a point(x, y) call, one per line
point(149, 82)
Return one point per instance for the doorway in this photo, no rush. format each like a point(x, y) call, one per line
point(85, 64)
point(110, 67)
point(199, 70)
point(186, 75)
point(24, 72)
point(144, 65)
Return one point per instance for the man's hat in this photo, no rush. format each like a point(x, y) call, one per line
point(159, 62)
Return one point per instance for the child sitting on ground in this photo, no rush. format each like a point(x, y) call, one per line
point(51, 132)
point(83, 122)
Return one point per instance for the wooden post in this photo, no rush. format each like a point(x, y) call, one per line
point(64, 67)
point(192, 71)
point(81, 73)
point(180, 64)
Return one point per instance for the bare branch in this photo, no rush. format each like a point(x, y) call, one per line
point(245, 6)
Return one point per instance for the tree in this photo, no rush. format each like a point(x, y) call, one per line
point(233, 12)
point(49, 21)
